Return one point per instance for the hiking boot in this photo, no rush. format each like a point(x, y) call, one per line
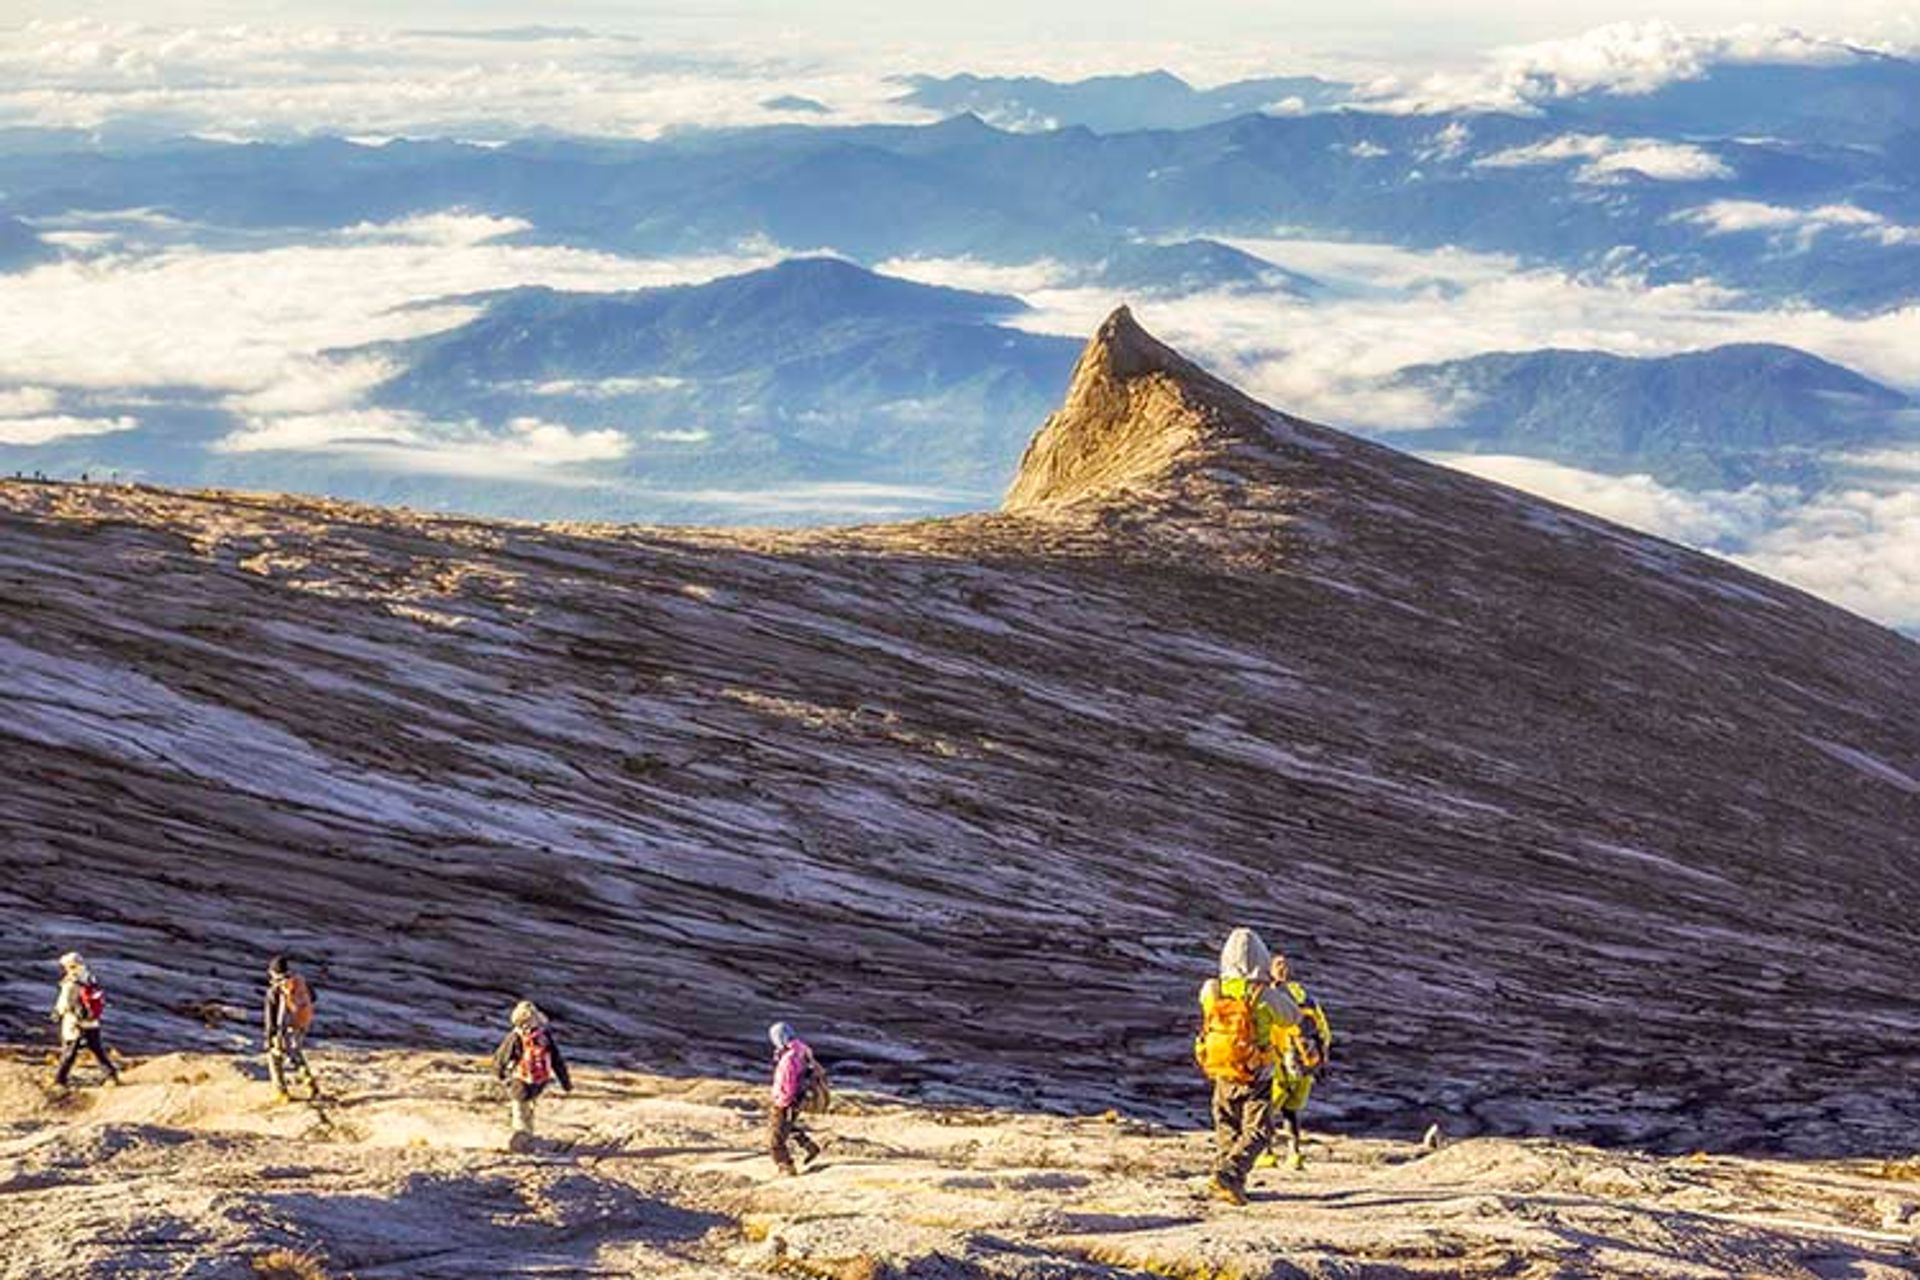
point(788, 1171)
point(520, 1142)
point(1267, 1160)
point(1220, 1190)
point(1296, 1159)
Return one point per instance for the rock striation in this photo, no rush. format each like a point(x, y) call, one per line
point(1576, 831)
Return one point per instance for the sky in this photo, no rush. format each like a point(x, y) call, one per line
point(1122, 32)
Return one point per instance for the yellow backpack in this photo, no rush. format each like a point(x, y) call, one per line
point(1229, 1049)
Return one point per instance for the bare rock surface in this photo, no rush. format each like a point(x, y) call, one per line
point(191, 1170)
point(1577, 832)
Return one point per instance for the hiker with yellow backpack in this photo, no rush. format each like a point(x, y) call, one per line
point(287, 1018)
point(528, 1060)
point(1243, 1025)
point(1303, 1055)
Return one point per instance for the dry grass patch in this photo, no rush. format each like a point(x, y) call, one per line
point(290, 1264)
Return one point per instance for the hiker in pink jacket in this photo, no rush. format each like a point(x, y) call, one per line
point(799, 1086)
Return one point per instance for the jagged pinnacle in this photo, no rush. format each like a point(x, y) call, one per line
point(1133, 406)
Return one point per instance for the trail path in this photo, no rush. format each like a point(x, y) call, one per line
point(191, 1170)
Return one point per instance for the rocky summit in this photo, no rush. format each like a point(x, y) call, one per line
point(1577, 833)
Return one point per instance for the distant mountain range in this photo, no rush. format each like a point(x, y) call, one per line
point(1192, 266)
point(1869, 99)
point(815, 369)
point(1581, 185)
point(1719, 418)
point(1114, 104)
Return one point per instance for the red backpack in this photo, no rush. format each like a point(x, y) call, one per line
point(536, 1057)
point(297, 999)
point(92, 999)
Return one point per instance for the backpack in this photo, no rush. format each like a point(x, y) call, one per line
point(91, 1000)
point(536, 1057)
point(816, 1096)
point(1229, 1048)
point(296, 1002)
point(1306, 1052)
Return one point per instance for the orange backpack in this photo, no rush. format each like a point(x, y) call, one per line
point(1229, 1048)
point(296, 998)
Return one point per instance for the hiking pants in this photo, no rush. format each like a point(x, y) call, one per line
point(1241, 1114)
point(288, 1050)
point(520, 1099)
point(784, 1125)
point(89, 1037)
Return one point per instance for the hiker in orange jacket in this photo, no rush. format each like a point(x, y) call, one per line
point(285, 1021)
point(79, 1009)
point(529, 1060)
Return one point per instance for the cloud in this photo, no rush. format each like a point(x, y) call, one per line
point(1859, 548)
point(250, 323)
point(1797, 228)
point(1614, 159)
point(599, 388)
point(267, 82)
point(840, 501)
point(49, 428)
point(449, 229)
point(23, 402)
point(401, 441)
point(1622, 58)
point(1716, 518)
point(1856, 547)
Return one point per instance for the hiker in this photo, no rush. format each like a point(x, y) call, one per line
point(1303, 1056)
point(529, 1060)
point(288, 1018)
point(79, 1009)
point(1242, 1024)
point(799, 1087)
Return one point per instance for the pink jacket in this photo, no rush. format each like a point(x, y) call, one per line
point(790, 1073)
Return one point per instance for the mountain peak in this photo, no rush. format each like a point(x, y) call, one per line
point(1135, 411)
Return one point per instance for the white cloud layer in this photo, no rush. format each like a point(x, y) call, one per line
point(1624, 57)
point(1614, 159)
point(1798, 228)
point(401, 441)
point(249, 318)
point(249, 328)
point(247, 82)
point(1857, 547)
point(49, 428)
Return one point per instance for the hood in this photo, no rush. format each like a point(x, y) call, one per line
point(1244, 956)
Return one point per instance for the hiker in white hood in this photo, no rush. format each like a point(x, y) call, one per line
point(527, 1061)
point(1242, 1026)
point(79, 1009)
